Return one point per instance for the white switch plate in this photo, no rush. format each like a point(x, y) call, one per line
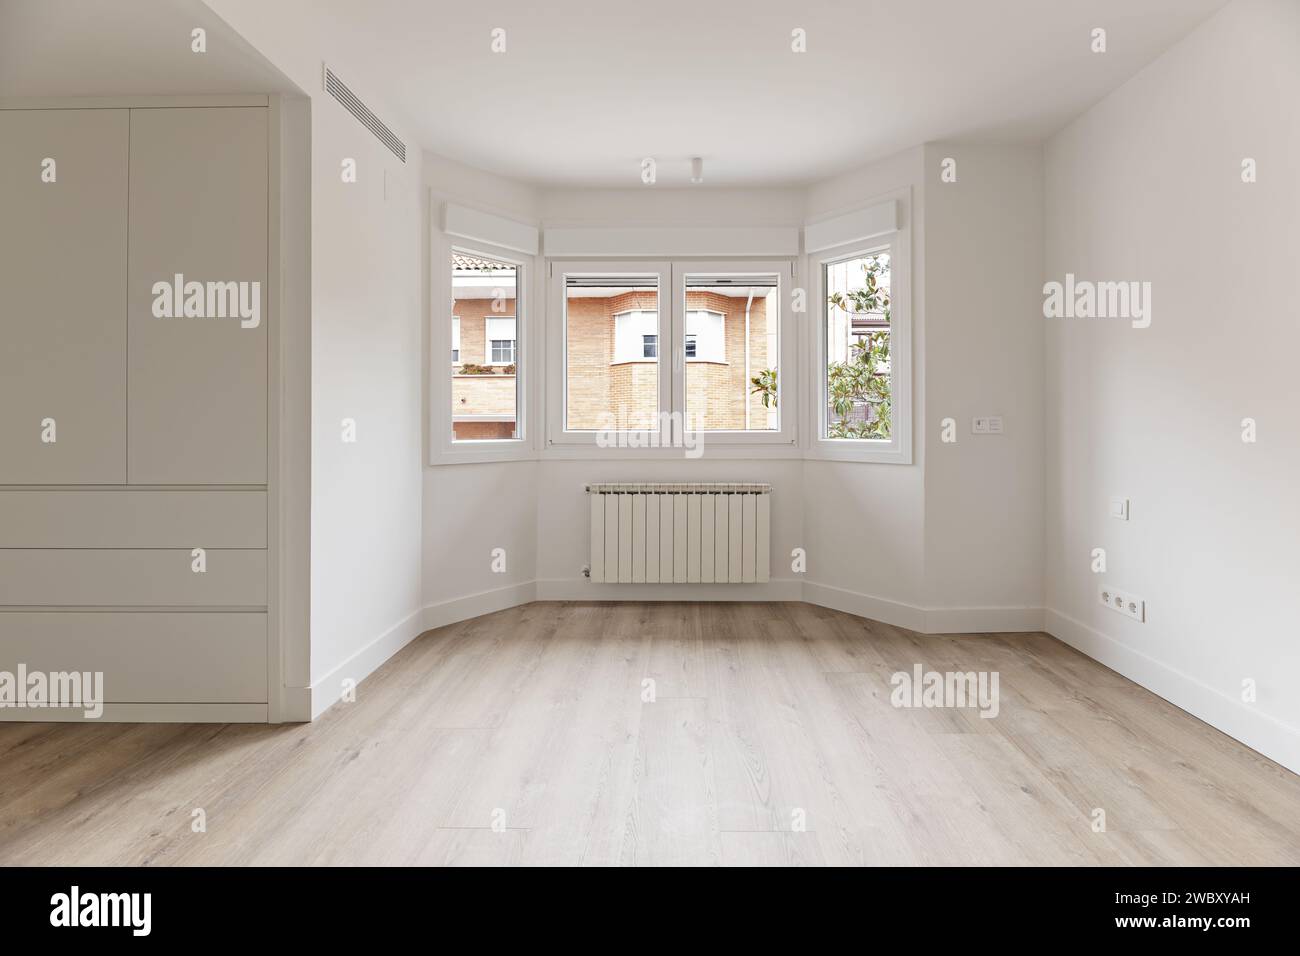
point(1119, 508)
point(1122, 602)
point(986, 425)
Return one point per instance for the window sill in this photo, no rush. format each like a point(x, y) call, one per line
point(851, 450)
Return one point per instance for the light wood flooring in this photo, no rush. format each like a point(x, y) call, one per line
point(521, 737)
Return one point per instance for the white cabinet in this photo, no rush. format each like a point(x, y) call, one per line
point(197, 403)
point(63, 249)
point(158, 409)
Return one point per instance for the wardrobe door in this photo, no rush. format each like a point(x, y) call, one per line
point(197, 404)
point(63, 247)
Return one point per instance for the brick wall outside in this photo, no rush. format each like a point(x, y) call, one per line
point(602, 394)
point(628, 390)
point(473, 328)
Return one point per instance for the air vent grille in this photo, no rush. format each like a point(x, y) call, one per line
point(337, 89)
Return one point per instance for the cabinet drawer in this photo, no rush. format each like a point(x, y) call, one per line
point(156, 657)
point(107, 578)
point(132, 519)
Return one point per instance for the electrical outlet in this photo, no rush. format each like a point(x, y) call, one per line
point(1122, 602)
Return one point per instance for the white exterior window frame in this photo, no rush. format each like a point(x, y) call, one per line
point(638, 339)
point(488, 339)
point(722, 323)
point(898, 449)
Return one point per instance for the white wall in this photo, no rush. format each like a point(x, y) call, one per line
point(984, 325)
point(472, 509)
point(871, 541)
point(1147, 186)
point(367, 360)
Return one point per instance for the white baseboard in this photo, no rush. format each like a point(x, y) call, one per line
point(983, 620)
point(143, 714)
point(865, 605)
point(1267, 735)
point(583, 589)
point(474, 605)
point(325, 693)
point(925, 620)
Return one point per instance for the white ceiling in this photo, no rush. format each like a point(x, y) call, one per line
point(587, 88)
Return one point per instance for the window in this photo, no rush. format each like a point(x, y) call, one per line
point(485, 386)
point(718, 370)
point(732, 351)
point(862, 397)
point(859, 400)
point(632, 330)
point(609, 381)
point(501, 340)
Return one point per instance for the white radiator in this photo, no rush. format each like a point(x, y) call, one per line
point(680, 533)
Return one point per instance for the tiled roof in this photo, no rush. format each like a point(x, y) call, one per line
point(462, 263)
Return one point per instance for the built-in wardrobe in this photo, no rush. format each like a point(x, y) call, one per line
point(135, 428)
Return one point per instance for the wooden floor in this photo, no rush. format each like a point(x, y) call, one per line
point(522, 738)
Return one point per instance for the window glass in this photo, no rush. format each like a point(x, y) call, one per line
point(484, 385)
point(611, 353)
point(732, 350)
point(858, 401)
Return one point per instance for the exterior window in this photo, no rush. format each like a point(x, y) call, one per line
point(859, 384)
point(501, 340)
point(631, 331)
point(635, 368)
point(732, 349)
point(485, 386)
point(706, 339)
point(609, 381)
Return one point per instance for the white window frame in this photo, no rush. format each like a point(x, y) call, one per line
point(898, 449)
point(671, 276)
point(558, 436)
point(444, 449)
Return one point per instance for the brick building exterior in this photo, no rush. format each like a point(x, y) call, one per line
point(613, 384)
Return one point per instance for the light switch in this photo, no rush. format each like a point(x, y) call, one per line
point(1119, 508)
